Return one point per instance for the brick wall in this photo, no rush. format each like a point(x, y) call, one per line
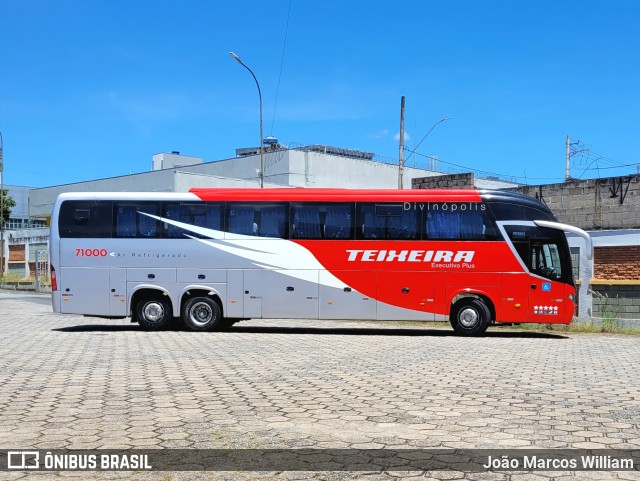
point(617, 263)
point(16, 253)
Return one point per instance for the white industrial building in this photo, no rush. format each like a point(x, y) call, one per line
point(26, 238)
point(310, 166)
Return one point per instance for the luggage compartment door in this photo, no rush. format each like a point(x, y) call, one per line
point(84, 290)
point(252, 293)
point(290, 294)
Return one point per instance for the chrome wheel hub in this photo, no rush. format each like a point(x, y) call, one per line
point(201, 313)
point(153, 311)
point(468, 317)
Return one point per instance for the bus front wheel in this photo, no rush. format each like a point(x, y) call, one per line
point(202, 314)
point(153, 314)
point(470, 317)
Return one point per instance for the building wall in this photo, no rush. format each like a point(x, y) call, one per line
point(618, 303)
point(465, 180)
point(453, 181)
point(595, 204)
point(41, 200)
point(617, 263)
point(21, 248)
point(19, 217)
point(282, 168)
point(608, 209)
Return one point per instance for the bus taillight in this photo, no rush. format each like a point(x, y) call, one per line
point(54, 281)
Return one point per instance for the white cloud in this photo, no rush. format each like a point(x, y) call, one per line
point(406, 136)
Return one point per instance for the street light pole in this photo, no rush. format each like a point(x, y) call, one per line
point(444, 119)
point(260, 98)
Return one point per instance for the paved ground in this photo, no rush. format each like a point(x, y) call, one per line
point(74, 382)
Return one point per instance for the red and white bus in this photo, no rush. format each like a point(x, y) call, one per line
point(211, 257)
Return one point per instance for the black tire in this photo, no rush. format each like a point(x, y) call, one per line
point(154, 314)
point(470, 317)
point(202, 314)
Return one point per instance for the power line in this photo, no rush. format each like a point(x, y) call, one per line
point(284, 45)
point(485, 172)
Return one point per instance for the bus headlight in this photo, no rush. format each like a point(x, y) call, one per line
point(571, 297)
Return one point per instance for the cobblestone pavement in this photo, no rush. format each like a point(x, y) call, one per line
point(85, 383)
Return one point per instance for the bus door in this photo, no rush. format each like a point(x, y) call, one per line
point(541, 252)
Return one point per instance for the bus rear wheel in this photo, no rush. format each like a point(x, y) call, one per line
point(470, 317)
point(202, 314)
point(153, 314)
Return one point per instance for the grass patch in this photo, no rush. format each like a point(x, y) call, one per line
point(585, 327)
point(591, 326)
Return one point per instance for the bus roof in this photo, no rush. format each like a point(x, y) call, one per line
point(316, 195)
point(337, 195)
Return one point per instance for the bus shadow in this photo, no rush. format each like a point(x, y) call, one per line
point(401, 332)
point(331, 331)
point(99, 328)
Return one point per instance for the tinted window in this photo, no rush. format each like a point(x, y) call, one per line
point(542, 250)
point(253, 219)
point(132, 219)
point(504, 211)
point(311, 220)
point(201, 214)
point(459, 221)
point(387, 221)
point(83, 219)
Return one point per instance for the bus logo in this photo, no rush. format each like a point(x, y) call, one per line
point(409, 256)
point(23, 460)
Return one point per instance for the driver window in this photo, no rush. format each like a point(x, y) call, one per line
point(538, 250)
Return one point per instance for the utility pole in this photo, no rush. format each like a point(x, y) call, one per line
point(567, 176)
point(401, 153)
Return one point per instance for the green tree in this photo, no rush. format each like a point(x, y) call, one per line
point(7, 204)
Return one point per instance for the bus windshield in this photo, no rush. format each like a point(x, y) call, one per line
point(543, 251)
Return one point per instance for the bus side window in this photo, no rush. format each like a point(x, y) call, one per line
point(125, 221)
point(305, 222)
point(459, 222)
point(386, 221)
point(214, 216)
point(273, 221)
point(371, 225)
point(317, 220)
point(403, 226)
point(241, 220)
point(443, 225)
point(131, 221)
point(338, 222)
point(171, 211)
point(258, 219)
point(85, 219)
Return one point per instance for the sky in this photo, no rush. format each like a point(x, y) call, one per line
point(92, 89)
